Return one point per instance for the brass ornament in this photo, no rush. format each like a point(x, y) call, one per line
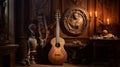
point(75, 21)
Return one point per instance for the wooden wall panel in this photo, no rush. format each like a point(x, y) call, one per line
point(40, 7)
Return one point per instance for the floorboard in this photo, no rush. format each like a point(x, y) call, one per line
point(64, 65)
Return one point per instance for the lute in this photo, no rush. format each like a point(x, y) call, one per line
point(57, 53)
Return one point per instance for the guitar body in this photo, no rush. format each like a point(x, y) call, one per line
point(57, 54)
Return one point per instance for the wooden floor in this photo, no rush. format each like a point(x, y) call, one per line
point(64, 65)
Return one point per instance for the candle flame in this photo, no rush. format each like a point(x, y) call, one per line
point(108, 21)
point(95, 13)
point(90, 14)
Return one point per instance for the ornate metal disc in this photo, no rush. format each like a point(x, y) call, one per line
point(75, 21)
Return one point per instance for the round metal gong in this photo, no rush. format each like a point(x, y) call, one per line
point(75, 21)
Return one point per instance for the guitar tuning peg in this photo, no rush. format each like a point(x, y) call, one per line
point(57, 14)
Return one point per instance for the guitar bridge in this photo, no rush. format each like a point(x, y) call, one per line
point(57, 54)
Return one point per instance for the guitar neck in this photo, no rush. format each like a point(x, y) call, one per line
point(57, 26)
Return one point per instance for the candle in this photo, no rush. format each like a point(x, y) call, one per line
point(108, 21)
point(90, 14)
point(95, 13)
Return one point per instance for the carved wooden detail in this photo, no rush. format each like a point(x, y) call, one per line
point(74, 3)
point(6, 21)
point(40, 7)
point(74, 21)
point(82, 4)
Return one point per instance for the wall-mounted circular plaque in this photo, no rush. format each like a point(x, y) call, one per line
point(74, 21)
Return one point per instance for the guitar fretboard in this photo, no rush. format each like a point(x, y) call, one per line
point(57, 26)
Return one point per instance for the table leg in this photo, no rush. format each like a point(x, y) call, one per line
point(1, 62)
point(12, 60)
point(94, 53)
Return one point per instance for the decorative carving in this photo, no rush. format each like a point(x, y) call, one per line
point(3, 38)
point(75, 21)
point(41, 6)
point(3, 21)
point(74, 1)
point(42, 30)
point(32, 44)
point(38, 35)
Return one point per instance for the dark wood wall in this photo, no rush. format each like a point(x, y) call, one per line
point(22, 20)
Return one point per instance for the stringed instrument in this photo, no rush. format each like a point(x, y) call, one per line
point(57, 54)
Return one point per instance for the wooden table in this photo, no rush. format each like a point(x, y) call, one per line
point(10, 50)
point(111, 47)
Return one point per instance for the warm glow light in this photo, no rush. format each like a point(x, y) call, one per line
point(95, 13)
point(108, 21)
point(90, 14)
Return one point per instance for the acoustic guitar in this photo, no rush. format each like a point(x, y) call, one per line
point(57, 54)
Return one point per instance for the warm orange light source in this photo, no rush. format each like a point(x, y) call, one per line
point(95, 13)
point(108, 21)
point(90, 14)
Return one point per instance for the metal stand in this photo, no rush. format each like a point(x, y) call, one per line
point(32, 42)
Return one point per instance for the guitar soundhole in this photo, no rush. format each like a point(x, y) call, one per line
point(57, 45)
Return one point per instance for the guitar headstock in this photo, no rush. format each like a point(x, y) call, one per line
point(57, 15)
